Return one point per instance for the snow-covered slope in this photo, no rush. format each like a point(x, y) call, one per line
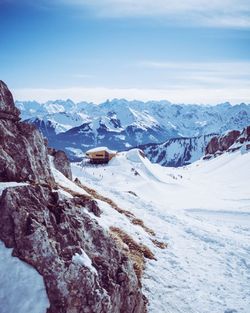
point(121, 124)
point(202, 211)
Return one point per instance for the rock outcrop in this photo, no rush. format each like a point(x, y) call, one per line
point(84, 269)
point(229, 142)
point(23, 153)
point(61, 162)
point(58, 239)
point(7, 106)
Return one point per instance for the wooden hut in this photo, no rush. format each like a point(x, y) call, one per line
point(100, 155)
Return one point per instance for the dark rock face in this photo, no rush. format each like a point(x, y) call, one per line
point(23, 154)
point(231, 141)
point(245, 135)
point(7, 106)
point(61, 162)
point(222, 143)
point(51, 233)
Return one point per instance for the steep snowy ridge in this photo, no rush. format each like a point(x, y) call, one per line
point(121, 124)
point(177, 151)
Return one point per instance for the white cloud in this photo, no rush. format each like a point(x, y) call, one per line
point(178, 82)
point(215, 74)
point(175, 94)
point(220, 13)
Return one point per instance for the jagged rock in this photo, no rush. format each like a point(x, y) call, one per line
point(61, 162)
point(51, 234)
point(245, 135)
point(23, 154)
point(231, 141)
point(222, 143)
point(7, 106)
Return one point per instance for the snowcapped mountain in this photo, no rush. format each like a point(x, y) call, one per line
point(177, 151)
point(122, 124)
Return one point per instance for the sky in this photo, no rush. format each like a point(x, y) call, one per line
point(186, 51)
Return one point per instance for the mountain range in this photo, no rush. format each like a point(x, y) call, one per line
point(120, 124)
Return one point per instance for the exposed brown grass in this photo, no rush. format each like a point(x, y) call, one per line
point(93, 194)
point(159, 244)
point(138, 221)
point(129, 215)
point(135, 251)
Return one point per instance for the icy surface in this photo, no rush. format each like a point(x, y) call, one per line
point(202, 211)
point(22, 288)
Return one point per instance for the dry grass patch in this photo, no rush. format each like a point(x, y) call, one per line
point(138, 221)
point(159, 244)
point(135, 251)
point(130, 216)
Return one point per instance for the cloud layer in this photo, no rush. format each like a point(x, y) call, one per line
point(174, 94)
point(178, 82)
point(219, 13)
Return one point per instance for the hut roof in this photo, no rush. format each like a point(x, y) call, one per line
point(101, 149)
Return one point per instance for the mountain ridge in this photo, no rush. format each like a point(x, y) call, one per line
point(121, 124)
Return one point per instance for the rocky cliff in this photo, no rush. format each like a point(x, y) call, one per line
point(84, 269)
point(23, 153)
point(229, 142)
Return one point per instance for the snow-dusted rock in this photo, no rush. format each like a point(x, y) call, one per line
point(79, 261)
point(231, 141)
point(61, 162)
point(52, 230)
point(23, 154)
point(7, 106)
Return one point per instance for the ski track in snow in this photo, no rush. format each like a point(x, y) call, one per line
point(206, 267)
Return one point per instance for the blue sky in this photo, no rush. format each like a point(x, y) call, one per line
point(193, 51)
